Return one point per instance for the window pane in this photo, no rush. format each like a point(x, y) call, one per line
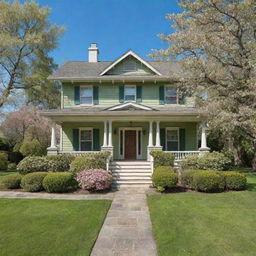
point(170, 100)
point(172, 135)
point(130, 93)
point(86, 95)
point(86, 135)
point(86, 100)
point(170, 95)
point(172, 146)
point(86, 145)
point(130, 97)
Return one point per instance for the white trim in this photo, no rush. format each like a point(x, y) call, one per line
point(85, 129)
point(85, 86)
point(129, 103)
point(137, 129)
point(171, 129)
point(136, 57)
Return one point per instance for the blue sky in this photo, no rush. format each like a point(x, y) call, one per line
point(116, 25)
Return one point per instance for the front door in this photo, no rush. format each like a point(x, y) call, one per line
point(130, 144)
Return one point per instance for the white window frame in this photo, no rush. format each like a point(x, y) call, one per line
point(165, 88)
point(131, 86)
point(137, 129)
point(171, 129)
point(85, 129)
point(86, 86)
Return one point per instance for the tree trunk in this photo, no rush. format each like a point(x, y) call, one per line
point(234, 149)
point(254, 158)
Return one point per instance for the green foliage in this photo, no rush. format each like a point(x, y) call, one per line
point(4, 144)
point(33, 164)
point(12, 166)
point(3, 161)
point(234, 180)
point(164, 168)
point(208, 181)
point(33, 182)
point(59, 182)
point(162, 158)
point(89, 161)
point(59, 163)
point(11, 181)
point(163, 178)
point(32, 148)
point(187, 178)
point(208, 161)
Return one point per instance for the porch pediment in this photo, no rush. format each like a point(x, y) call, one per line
point(132, 106)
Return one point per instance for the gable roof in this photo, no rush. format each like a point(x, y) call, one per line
point(136, 56)
point(129, 106)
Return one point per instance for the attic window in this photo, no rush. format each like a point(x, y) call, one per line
point(129, 65)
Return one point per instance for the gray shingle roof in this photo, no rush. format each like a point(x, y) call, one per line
point(85, 70)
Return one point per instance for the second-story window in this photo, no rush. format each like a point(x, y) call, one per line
point(86, 95)
point(170, 95)
point(130, 93)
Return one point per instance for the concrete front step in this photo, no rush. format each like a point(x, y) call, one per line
point(128, 174)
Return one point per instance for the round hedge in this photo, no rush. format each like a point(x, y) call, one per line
point(59, 182)
point(33, 164)
point(33, 182)
point(208, 181)
point(187, 177)
point(11, 181)
point(164, 168)
point(234, 180)
point(164, 179)
point(59, 163)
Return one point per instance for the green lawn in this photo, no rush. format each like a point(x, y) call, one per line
point(30, 227)
point(205, 224)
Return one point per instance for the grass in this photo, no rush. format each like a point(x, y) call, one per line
point(205, 224)
point(31, 227)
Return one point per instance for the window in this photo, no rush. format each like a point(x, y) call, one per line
point(172, 139)
point(170, 95)
point(86, 95)
point(86, 139)
point(130, 93)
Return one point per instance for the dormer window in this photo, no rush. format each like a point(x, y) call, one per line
point(86, 95)
point(130, 93)
point(171, 95)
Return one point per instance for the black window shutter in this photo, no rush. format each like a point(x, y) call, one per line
point(182, 139)
point(77, 95)
point(96, 140)
point(121, 93)
point(76, 139)
point(138, 93)
point(162, 138)
point(95, 95)
point(161, 94)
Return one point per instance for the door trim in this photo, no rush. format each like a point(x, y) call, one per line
point(137, 129)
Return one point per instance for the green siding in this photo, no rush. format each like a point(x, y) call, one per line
point(109, 94)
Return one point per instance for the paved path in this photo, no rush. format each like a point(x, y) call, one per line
point(127, 227)
point(13, 194)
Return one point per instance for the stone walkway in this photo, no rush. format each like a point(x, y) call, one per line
point(127, 227)
point(14, 194)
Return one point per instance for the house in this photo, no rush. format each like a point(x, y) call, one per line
point(129, 106)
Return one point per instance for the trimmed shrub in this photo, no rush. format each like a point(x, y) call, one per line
point(187, 177)
point(11, 181)
point(208, 181)
point(164, 168)
point(33, 182)
point(164, 179)
point(95, 179)
point(59, 163)
point(12, 166)
point(234, 180)
point(32, 148)
point(33, 164)
point(59, 182)
point(208, 161)
point(89, 161)
point(162, 158)
point(3, 161)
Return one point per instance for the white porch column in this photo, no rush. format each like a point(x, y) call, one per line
point(53, 137)
point(203, 138)
point(158, 134)
point(150, 135)
point(53, 150)
point(105, 139)
point(110, 133)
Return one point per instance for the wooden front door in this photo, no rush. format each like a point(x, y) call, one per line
point(130, 144)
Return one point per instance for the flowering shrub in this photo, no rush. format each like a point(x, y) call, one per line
point(94, 179)
point(33, 164)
